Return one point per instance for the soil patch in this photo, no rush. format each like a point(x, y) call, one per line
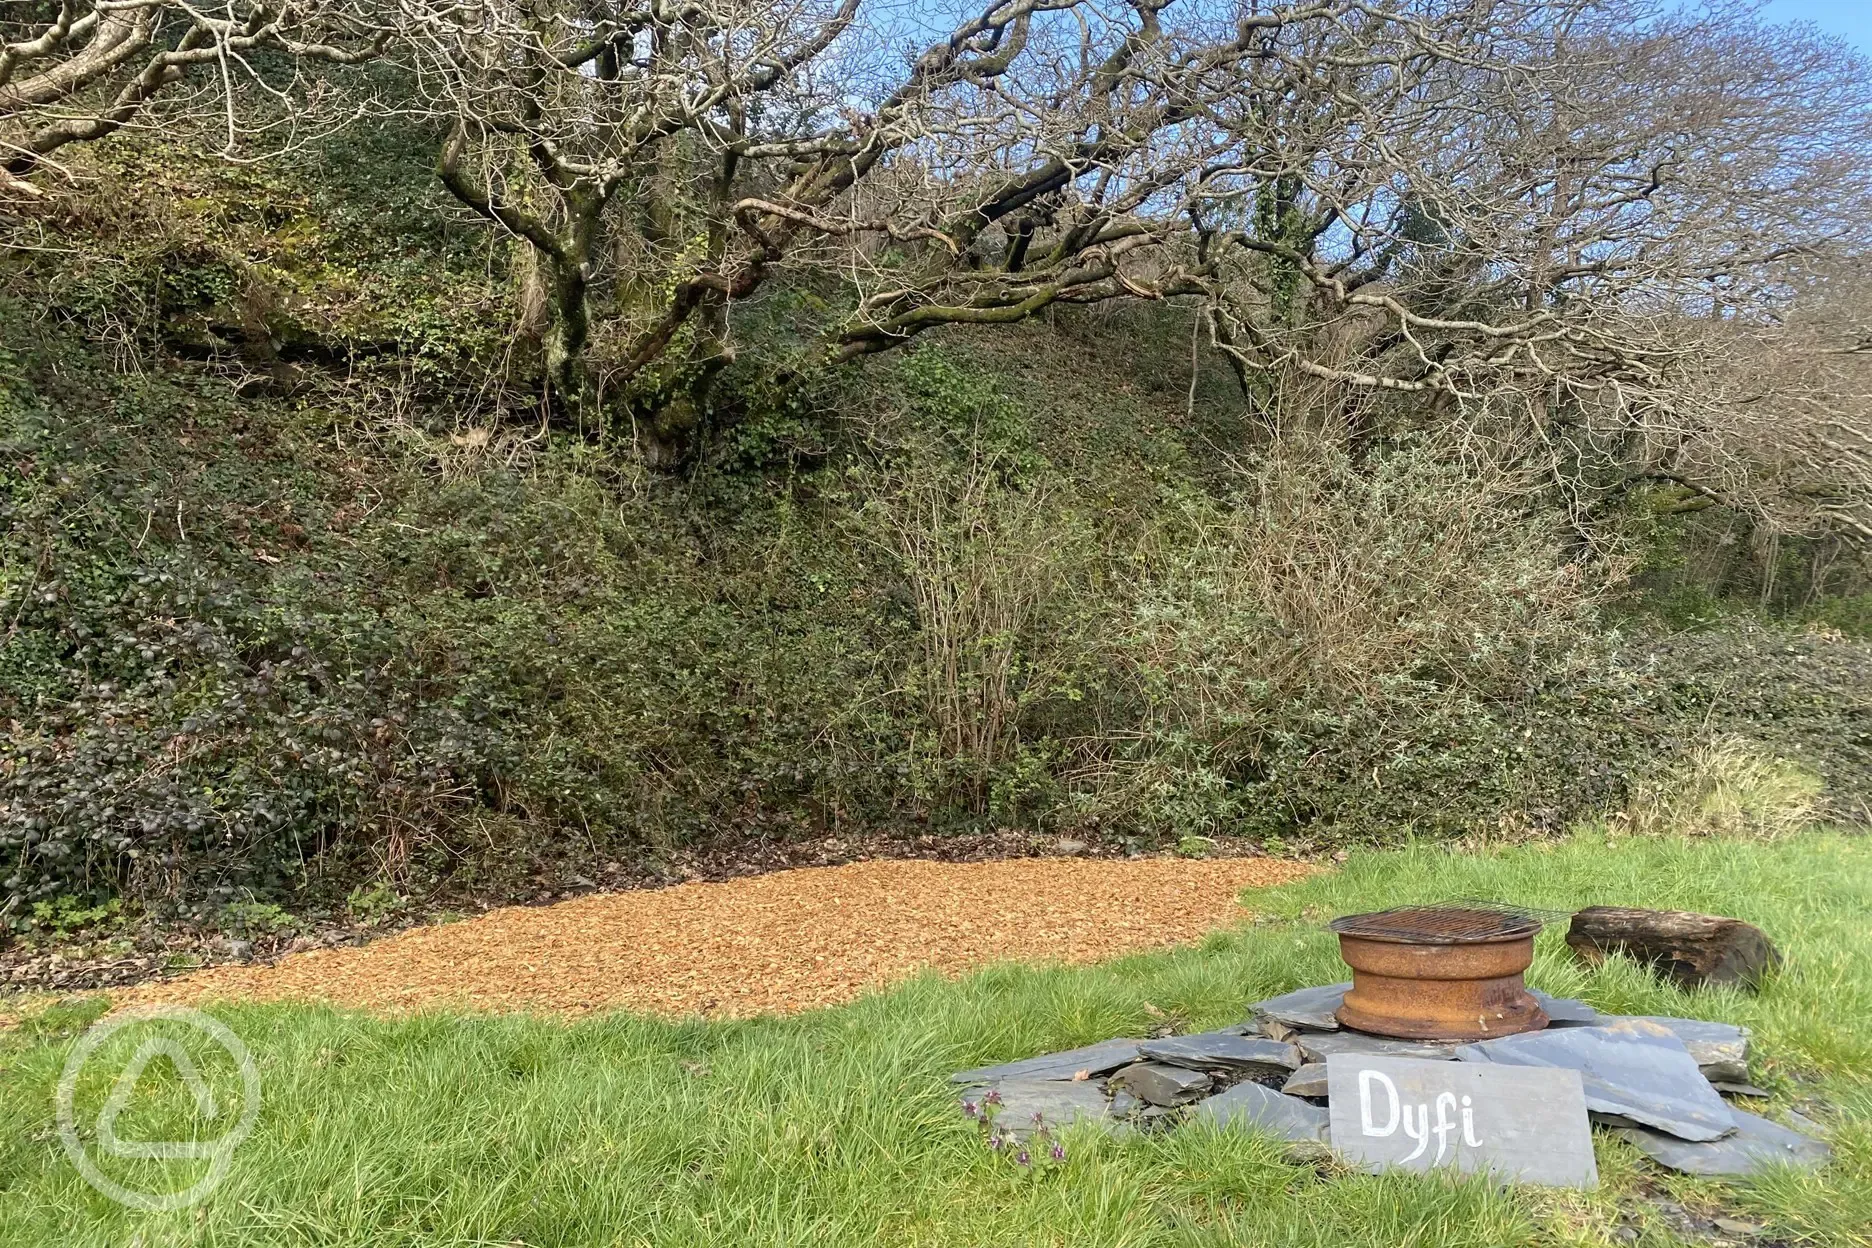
point(781, 942)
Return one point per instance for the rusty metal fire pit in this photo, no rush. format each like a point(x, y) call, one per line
point(1440, 972)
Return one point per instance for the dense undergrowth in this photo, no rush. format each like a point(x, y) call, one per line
point(300, 596)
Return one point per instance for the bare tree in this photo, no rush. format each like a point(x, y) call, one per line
point(1585, 231)
point(1579, 249)
point(1498, 212)
point(72, 71)
point(677, 156)
point(1788, 397)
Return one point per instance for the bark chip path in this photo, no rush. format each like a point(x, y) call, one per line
point(777, 943)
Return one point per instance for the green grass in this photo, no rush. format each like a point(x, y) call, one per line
point(836, 1127)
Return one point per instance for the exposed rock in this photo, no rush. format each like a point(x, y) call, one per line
point(1123, 1104)
point(1567, 1012)
point(1690, 948)
point(1801, 1122)
point(1093, 1059)
point(1319, 1046)
point(1755, 1145)
point(1720, 1049)
point(1738, 1089)
point(1058, 1102)
point(1162, 1085)
point(1308, 1009)
point(1249, 1106)
point(1065, 846)
point(1273, 1029)
point(1309, 1080)
point(1223, 1050)
point(1633, 1070)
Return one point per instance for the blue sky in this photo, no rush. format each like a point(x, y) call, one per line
point(1851, 18)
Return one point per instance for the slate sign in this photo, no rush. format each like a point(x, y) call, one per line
point(1525, 1124)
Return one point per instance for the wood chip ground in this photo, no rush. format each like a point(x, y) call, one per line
point(788, 941)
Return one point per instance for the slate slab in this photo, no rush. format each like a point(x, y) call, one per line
point(1756, 1145)
point(1309, 1080)
point(1162, 1084)
point(1527, 1125)
point(1719, 1049)
point(1801, 1122)
point(1223, 1050)
point(1094, 1059)
point(1058, 1102)
point(1632, 1069)
point(1309, 1009)
point(1251, 1107)
point(1738, 1089)
point(1157, 1117)
point(1567, 1012)
point(1321, 1045)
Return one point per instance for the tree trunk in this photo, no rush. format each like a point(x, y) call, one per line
point(571, 310)
point(566, 335)
point(1690, 948)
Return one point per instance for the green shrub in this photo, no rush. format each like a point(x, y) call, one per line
point(1802, 696)
point(245, 662)
point(1356, 649)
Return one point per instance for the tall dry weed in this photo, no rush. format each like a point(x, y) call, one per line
point(983, 561)
point(1726, 786)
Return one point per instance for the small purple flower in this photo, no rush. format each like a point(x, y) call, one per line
point(1023, 1158)
point(1038, 1117)
point(971, 1109)
point(1057, 1152)
point(993, 1097)
point(995, 1141)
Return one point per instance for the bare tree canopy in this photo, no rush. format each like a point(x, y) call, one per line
point(1038, 151)
point(77, 70)
point(1610, 237)
point(1494, 205)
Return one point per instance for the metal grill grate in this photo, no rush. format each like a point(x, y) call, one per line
point(1445, 922)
